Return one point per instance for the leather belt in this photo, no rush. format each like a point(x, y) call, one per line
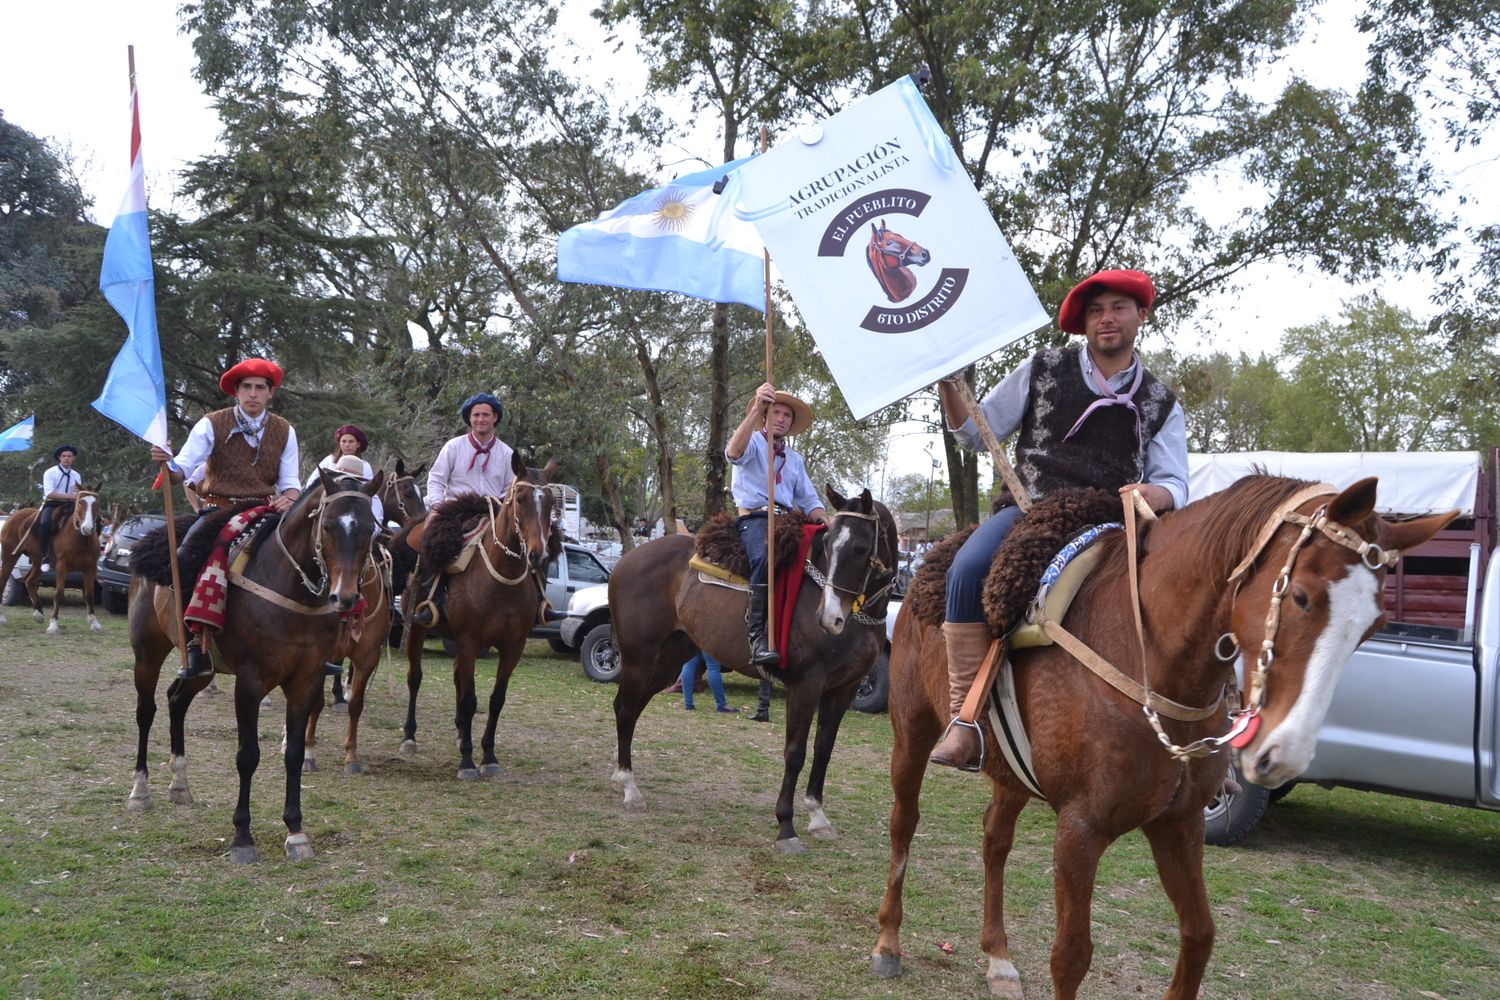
point(219, 500)
point(747, 511)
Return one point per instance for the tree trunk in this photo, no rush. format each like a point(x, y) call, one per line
point(714, 465)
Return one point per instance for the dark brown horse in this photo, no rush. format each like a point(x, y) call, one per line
point(891, 257)
point(75, 546)
point(494, 601)
point(402, 497)
point(282, 622)
point(662, 611)
point(1096, 756)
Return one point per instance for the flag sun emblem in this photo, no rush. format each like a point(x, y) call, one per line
point(671, 212)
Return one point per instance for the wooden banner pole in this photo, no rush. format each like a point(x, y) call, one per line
point(765, 136)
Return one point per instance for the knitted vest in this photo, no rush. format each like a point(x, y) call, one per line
point(229, 472)
point(1104, 453)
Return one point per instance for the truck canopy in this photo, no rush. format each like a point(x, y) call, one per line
point(1410, 482)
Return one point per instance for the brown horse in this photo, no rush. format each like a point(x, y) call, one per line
point(75, 546)
point(403, 504)
point(282, 622)
point(891, 257)
point(661, 611)
point(1211, 580)
point(494, 601)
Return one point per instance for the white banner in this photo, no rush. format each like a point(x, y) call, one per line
point(893, 260)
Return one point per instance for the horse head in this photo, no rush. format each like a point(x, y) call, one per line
point(890, 256)
point(402, 496)
point(84, 518)
point(532, 504)
point(1301, 610)
point(344, 531)
point(860, 555)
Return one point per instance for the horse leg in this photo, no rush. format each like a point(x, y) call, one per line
point(150, 651)
point(1177, 845)
point(59, 577)
point(801, 704)
point(360, 673)
point(832, 706)
point(310, 741)
point(247, 717)
point(90, 571)
point(304, 699)
point(1076, 850)
point(642, 673)
point(999, 834)
point(505, 666)
point(180, 695)
point(915, 734)
point(415, 636)
point(464, 705)
point(33, 583)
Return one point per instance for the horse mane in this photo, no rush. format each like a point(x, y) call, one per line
point(1234, 517)
point(718, 542)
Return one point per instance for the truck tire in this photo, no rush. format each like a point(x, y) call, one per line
point(599, 655)
point(875, 690)
point(15, 593)
point(558, 646)
point(1230, 818)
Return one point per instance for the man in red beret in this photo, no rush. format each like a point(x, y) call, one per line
point(1090, 416)
point(246, 453)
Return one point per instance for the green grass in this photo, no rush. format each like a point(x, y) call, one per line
point(537, 883)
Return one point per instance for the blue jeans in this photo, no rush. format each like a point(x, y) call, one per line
point(971, 564)
point(752, 529)
point(690, 679)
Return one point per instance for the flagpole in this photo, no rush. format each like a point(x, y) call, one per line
point(987, 435)
point(770, 452)
point(165, 475)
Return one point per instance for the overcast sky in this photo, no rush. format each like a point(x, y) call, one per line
point(64, 78)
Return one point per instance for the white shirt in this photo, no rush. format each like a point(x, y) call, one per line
point(60, 480)
point(200, 444)
point(376, 507)
point(366, 472)
point(451, 472)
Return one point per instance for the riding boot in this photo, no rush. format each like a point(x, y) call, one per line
point(198, 662)
point(967, 644)
point(429, 610)
point(763, 709)
point(762, 649)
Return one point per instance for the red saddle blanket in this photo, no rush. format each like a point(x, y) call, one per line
point(211, 591)
point(788, 587)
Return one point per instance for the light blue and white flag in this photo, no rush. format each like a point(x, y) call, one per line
point(18, 437)
point(679, 238)
point(135, 393)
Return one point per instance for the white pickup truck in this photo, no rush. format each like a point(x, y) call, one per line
point(1417, 710)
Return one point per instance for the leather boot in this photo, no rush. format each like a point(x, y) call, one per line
point(967, 644)
point(429, 609)
point(763, 709)
point(762, 652)
point(199, 664)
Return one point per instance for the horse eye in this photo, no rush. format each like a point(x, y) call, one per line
point(1300, 598)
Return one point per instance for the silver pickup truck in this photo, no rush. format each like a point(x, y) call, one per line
point(1417, 709)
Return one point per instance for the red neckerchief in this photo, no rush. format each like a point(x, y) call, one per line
point(780, 452)
point(485, 451)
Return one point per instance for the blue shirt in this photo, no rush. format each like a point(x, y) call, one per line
point(750, 474)
point(1005, 406)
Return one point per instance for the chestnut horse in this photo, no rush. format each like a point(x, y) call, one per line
point(1211, 581)
point(494, 601)
point(75, 545)
point(891, 257)
point(661, 611)
point(403, 503)
point(281, 625)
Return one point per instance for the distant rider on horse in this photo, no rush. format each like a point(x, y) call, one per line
point(1087, 417)
point(475, 462)
point(246, 453)
point(60, 486)
point(748, 451)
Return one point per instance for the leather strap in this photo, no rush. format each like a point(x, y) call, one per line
point(980, 689)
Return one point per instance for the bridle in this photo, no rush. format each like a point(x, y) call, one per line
point(320, 588)
point(873, 568)
point(393, 486)
point(495, 509)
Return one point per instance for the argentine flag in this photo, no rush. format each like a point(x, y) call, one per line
point(18, 437)
point(679, 238)
point(135, 393)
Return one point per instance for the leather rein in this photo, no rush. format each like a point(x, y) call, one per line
point(495, 511)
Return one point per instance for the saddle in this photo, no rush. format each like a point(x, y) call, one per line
point(450, 531)
point(718, 552)
point(152, 556)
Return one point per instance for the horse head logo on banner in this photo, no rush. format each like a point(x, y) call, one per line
point(891, 257)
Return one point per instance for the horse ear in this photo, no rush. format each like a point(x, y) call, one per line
point(400, 468)
point(1407, 535)
point(417, 472)
point(1354, 504)
point(549, 470)
point(518, 465)
point(835, 498)
point(374, 486)
point(866, 502)
point(326, 479)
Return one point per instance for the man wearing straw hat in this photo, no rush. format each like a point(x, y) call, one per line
point(750, 449)
point(1090, 416)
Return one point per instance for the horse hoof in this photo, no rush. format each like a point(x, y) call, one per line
point(95, 627)
point(885, 966)
point(489, 770)
point(52, 629)
point(408, 748)
point(824, 832)
point(468, 774)
point(299, 847)
point(138, 803)
point(180, 796)
point(790, 845)
point(246, 855)
point(1004, 980)
point(309, 765)
point(340, 708)
point(38, 617)
point(352, 767)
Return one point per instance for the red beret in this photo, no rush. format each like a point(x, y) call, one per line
point(1133, 283)
point(353, 431)
point(250, 368)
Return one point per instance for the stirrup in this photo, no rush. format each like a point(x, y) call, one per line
point(430, 607)
point(978, 732)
